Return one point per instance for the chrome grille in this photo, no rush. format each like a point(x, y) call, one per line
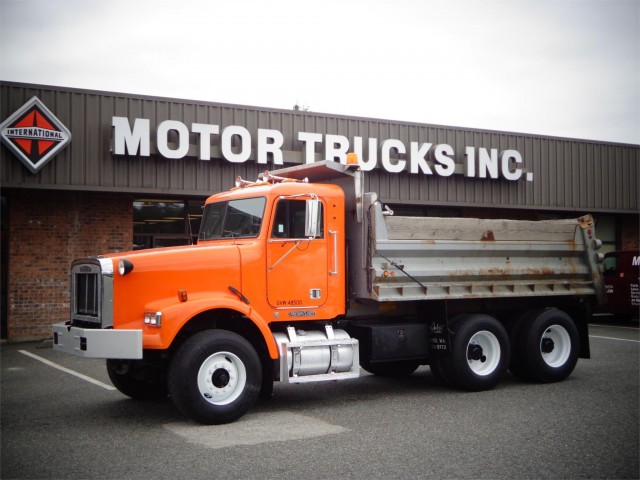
point(86, 294)
point(92, 293)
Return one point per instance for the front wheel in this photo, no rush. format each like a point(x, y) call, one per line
point(215, 377)
point(479, 355)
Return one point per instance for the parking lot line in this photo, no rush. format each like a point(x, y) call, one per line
point(67, 370)
point(617, 327)
point(614, 338)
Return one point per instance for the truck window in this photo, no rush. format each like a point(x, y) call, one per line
point(233, 219)
point(289, 219)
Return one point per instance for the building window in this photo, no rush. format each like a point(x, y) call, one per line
point(165, 222)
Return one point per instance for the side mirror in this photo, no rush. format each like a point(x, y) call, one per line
point(312, 218)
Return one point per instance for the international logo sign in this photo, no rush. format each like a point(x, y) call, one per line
point(34, 134)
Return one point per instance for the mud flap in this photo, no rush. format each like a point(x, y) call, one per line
point(582, 315)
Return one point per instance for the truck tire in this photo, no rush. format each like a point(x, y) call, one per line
point(480, 353)
point(546, 346)
point(215, 377)
point(402, 368)
point(131, 379)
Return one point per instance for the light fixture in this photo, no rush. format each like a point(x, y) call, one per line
point(125, 267)
point(153, 319)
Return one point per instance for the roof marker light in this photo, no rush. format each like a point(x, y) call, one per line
point(352, 158)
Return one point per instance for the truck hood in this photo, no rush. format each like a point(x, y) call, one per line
point(159, 274)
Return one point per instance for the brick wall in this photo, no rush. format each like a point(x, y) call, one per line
point(47, 231)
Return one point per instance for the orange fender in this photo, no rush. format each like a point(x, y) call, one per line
point(175, 315)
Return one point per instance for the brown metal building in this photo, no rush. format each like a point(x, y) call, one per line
point(85, 172)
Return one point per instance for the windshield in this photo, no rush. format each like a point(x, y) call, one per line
point(233, 219)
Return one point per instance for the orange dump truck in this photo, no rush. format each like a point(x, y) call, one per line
point(301, 276)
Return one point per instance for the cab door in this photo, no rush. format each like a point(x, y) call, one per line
point(297, 267)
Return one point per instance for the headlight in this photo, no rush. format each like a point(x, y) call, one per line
point(124, 267)
point(153, 318)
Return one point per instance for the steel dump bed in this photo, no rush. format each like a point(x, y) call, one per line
point(420, 258)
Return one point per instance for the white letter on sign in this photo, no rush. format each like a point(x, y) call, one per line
point(205, 130)
point(123, 136)
point(274, 148)
point(385, 155)
point(372, 160)
point(163, 139)
point(245, 144)
point(417, 158)
point(470, 164)
point(336, 147)
point(487, 163)
point(446, 165)
point(309, 140)
point(507, 156)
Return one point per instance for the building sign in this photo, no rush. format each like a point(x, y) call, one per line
point(238, 145)
point(34, 134)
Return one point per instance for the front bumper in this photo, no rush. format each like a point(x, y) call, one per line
point(97, 343)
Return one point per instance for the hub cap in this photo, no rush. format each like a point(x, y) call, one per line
point(222, 378)
point(483, 353)
point(555, 346)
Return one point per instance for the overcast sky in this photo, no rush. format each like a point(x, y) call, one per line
point(566, 68)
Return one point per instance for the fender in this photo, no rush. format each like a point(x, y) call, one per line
point(175, 315)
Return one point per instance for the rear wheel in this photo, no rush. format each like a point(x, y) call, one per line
point(546, 346)
point(215, 377)
point(479, 355)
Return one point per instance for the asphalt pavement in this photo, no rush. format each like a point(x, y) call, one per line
point(60, 418)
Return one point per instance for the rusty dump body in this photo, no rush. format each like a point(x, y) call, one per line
point(447, 258)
